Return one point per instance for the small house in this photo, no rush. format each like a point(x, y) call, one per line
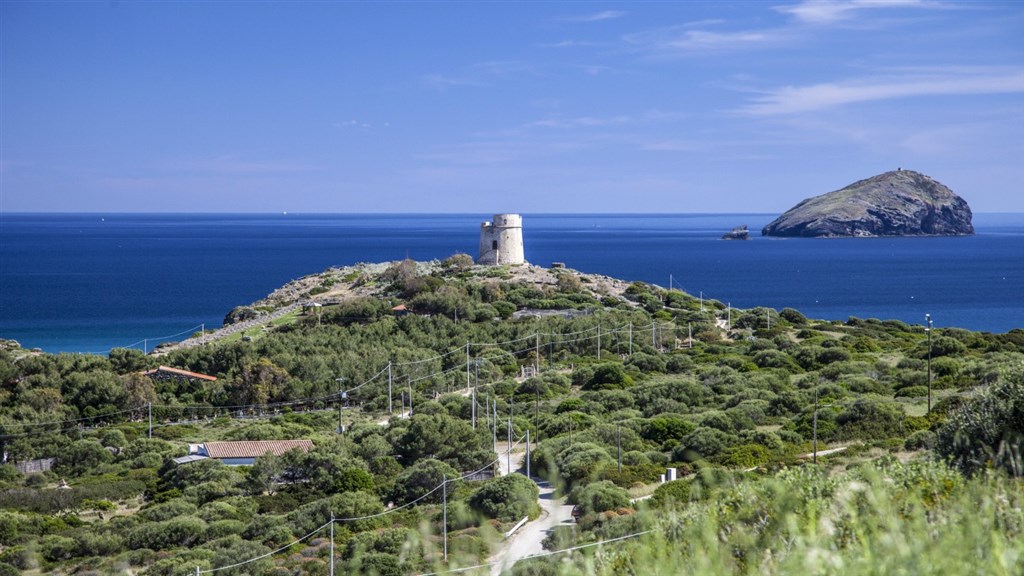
point(242, 453)
point(168, 373)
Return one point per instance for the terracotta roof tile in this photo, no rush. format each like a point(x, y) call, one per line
point(255, 448)
point(167, 370)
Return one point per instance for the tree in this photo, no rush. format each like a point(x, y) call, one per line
point(598, 497)
point(442, 437)
point(81, 457)
point(987, 430)
point(258, 383)
point(507, 498)
point(264, 471)
point(609, 377)
point(138, 393)
point(125, 360)
point(423, 478)
point(581, 462)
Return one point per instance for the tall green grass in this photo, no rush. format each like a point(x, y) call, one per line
point(882, 518)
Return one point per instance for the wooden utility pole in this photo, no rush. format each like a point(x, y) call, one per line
point(444, 520)
point(390, 410)
point(928, 318)
point(815, 426)
point(618, 434)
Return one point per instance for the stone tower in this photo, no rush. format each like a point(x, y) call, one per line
point(501, 241)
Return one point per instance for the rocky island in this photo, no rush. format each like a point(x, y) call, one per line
point(897, 203)
point(737, 233)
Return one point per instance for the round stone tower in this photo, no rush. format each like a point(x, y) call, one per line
point(501, 241)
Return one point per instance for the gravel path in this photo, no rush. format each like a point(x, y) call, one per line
point(528, 540)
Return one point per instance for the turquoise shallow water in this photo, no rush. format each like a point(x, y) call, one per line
point(89, 282)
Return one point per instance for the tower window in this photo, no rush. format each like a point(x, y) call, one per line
point(494, 244)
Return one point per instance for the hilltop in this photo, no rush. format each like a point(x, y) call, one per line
point(414, 389)
point(897, 203)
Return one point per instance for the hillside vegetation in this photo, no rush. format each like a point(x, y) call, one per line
point(614, 382)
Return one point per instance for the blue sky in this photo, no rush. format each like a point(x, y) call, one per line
point(492, 107)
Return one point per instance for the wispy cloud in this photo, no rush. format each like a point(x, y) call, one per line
point(232, 165)
point(685, 40)
point(830, 11)
point(580, 122)
point(442, 82)
point(958, 82)
point(648, 117)
point(596, 17)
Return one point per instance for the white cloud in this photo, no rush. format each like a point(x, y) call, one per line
point(597, 17)
point(580, 122)
point(232, 165)
point(829, 11)
point(798, 99)
point(683, 40)
point(441, 82)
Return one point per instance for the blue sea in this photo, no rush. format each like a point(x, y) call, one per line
point(91, 282)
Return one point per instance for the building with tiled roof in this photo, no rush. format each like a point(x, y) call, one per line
point(168, 373)
point(242, 453)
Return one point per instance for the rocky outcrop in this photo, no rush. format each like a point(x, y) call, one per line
point(898, 203)
point(737, 233)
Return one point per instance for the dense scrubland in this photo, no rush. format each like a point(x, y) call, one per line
point(628, 384)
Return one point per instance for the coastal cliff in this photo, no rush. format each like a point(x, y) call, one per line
point(897, 203)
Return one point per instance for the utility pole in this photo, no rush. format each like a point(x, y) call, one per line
point(630, 337)
point(536, 355)
point(332, 542)
point(618, 434)
point(508, 452)
point(494, 430)
point(598, 339)
point(444, 521)
point(408, 382)
point(815, 426)
point(150, 419)
point(390, 410)
point(701, 300)
point(729, 324)
point(768, 314)
point(467, 366)
point(527, 452)
point(474, 408)
point(928, 318)
point(341, 408)
point(654, 334)
point(689, 334)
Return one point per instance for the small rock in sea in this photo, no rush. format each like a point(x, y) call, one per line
point(737, 233)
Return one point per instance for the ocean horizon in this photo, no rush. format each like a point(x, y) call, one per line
point(89, 282)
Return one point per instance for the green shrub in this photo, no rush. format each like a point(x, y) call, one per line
point(988, 430)
point(920, 440)
point(745, 456)
point(609, 377)
point(56, 548)
point(507, 498)
point(676, 491)
point(598, 497)
point(912, 392)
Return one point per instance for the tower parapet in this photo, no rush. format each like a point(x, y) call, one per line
point(501, 241)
